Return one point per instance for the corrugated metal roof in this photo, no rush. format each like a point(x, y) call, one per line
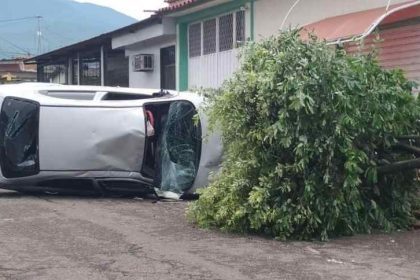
point(360, 24)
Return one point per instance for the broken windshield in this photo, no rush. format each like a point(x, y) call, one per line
point(180, 148)
point(19, 120)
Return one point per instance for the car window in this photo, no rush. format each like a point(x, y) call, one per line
point(125, 96)
point(19, 124)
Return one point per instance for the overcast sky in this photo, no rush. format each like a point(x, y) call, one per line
point(133, 8)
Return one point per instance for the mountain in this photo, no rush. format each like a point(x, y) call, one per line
point(63, 22)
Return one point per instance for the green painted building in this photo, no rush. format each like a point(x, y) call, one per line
point(210, 33)
point(209, 37)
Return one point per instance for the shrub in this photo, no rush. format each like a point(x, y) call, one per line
point(305, 128)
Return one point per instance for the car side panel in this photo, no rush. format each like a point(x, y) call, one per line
point(91, 139)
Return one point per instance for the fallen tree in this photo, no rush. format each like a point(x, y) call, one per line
point(313, 144)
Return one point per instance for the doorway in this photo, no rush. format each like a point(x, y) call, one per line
point(167, 68)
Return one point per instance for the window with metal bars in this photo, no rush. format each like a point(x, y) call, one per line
point(75, 71)
point(209, 36)
point(240, 27)
point(90, 68)
point(226, 32)
point(53, 73)
point(194, 38)
point(217, 34)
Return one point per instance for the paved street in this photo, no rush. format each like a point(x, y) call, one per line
point(49, 237)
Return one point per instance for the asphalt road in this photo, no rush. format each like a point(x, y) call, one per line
point(48, 237)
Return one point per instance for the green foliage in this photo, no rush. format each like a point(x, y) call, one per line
point(304, 128)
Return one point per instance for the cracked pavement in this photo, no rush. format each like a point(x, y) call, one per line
point(67, 237)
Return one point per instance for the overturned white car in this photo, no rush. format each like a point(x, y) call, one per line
point(75, 138)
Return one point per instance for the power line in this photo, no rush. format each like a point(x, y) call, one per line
point(58, 35)
point(48, 44)
point(15, 46)
point(19, 19)
point(38, 34)
point(12, 53)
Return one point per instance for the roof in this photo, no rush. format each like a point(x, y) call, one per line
point(177, 5)
point(95, 41)
point(10, 67)
point(15, 66)
point(358, 25)
point(174, 5)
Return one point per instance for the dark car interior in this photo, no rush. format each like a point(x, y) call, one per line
point(173, 150)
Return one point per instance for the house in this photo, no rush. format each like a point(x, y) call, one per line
point(195, 43)
point(90, 62)
point(126, 57)
point(210, 32)
point(15, 71)
point(150, 48)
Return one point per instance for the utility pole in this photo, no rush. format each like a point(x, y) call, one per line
point(39, 36)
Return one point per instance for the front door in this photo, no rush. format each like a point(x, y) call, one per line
point(167, 68)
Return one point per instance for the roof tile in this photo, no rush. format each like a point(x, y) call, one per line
point(175, 5)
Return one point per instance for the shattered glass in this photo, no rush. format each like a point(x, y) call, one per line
point(19, 138)
point(180, 148)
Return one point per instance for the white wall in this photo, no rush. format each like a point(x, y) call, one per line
point(166, 28)
point(146, 79)
point(269, 14)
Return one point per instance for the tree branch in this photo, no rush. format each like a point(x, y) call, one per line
point(400, 166)
point(409, 137)
point(409, 148)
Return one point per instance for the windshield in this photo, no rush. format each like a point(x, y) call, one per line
point(180, 148)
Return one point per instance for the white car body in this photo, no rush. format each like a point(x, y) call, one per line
point(103, 136)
